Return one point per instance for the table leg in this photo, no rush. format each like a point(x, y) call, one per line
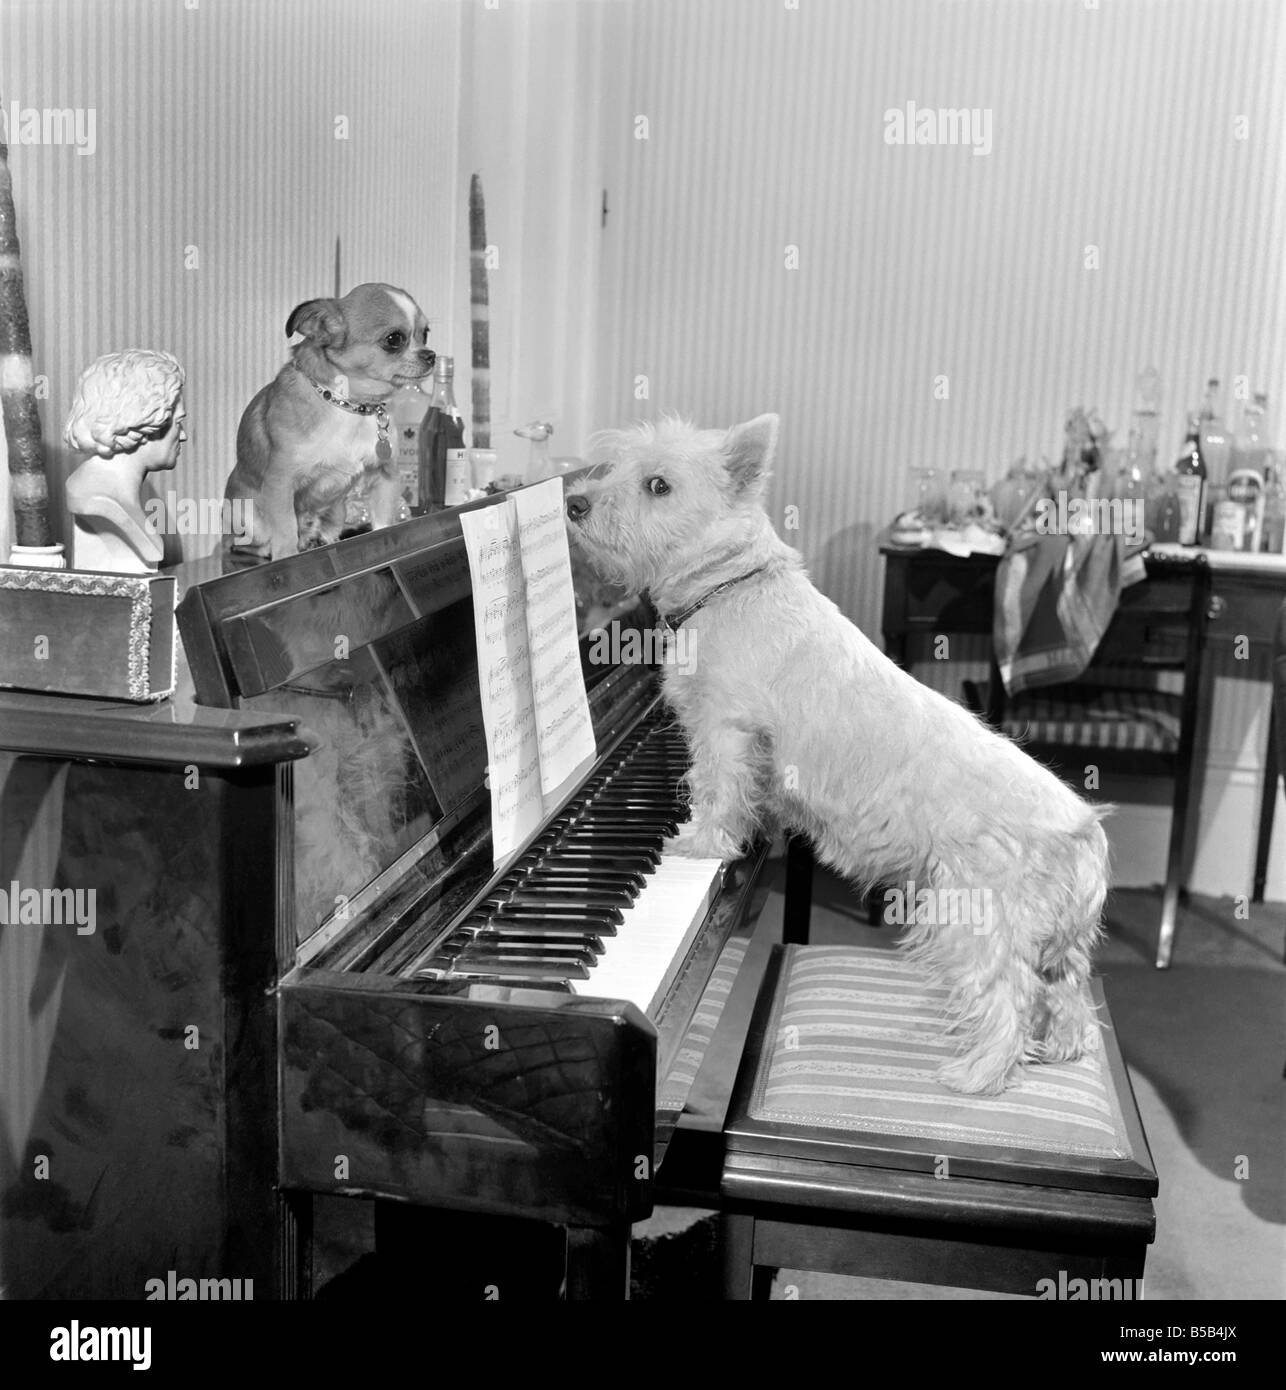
point(1267, 805)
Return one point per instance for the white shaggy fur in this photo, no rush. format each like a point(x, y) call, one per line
point(795, 719)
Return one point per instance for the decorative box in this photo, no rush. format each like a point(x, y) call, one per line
point(72, 632)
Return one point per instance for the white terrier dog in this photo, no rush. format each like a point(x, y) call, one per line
point(795, 719)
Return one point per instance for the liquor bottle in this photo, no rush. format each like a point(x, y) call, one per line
point(406, 414)
point(443, 460)
point(1190, 484)
point(1164, 513)
point(1272, 530)
point(1216, 442)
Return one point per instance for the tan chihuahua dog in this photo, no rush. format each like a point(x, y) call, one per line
point(320, 430)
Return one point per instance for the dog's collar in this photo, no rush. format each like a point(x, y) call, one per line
point(675, 622)
point(383, 449)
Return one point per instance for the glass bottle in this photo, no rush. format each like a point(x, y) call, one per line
point(1272, 531)
point(443, 460)
point(1190, 476)
point(539, 463)
point(1216, 443)
point(1164, 513)
point(406, 414)
point(1250, 446)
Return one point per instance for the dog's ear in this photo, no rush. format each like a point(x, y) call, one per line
point(750, 449)
point(320, 321)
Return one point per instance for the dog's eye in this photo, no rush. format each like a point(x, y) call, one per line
point(395, 342)
point(658, 487)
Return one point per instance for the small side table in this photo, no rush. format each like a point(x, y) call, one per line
point(928, 592)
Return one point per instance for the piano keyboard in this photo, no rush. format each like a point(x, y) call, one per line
point(640, 963)
point(595, 906)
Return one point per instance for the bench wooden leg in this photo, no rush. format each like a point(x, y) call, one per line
point(737, 1236)
point(799, 890)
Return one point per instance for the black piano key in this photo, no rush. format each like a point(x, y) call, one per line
point(570, 857)
point(519, 967)
point(593, 918)
point(626, 829)
point(534, 898)
point(623, 805)
point(597, 849)
point(612, 836)
point(533, 940)
point(573, 881)
point(611, 820)
point(534, 974)
point(533, 948)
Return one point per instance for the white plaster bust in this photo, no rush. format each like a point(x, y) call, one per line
point(128, 415)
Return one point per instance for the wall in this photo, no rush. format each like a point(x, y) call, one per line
point(947, 308)
point(216, 190)
point(1112, 126)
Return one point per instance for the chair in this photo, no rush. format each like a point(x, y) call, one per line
point(1117, 716)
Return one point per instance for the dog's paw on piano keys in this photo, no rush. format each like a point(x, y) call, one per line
point(700, 840)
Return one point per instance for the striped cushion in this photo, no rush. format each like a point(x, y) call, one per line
point(672, 1093)
point(857, 1034)
point(1090, 717)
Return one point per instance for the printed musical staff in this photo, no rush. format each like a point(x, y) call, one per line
point(535, 711)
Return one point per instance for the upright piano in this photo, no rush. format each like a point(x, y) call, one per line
point(384, 1013)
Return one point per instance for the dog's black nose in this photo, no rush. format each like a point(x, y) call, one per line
point(577, 507)
point(428, 357)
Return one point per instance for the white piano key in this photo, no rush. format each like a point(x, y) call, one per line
point(641, 961)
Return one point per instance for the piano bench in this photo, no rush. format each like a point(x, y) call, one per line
point(844, 1155)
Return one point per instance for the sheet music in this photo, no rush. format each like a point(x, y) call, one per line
point(563, 726)
point(504, 674)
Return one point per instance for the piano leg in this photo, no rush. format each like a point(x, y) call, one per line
point(799, 891)
point(598, 1262)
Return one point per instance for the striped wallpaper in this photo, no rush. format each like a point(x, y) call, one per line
point(765, 248)
point(1113, 125)
point(217, 186)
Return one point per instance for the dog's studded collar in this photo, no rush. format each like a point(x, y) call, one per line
point(675, 622)
point(383, 449)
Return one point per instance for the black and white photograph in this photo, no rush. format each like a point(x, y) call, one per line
point(643, 658)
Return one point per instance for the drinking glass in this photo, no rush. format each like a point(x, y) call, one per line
point(964, 500)
point(928, 493)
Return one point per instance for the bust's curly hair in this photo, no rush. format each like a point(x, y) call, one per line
point(123, 399)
